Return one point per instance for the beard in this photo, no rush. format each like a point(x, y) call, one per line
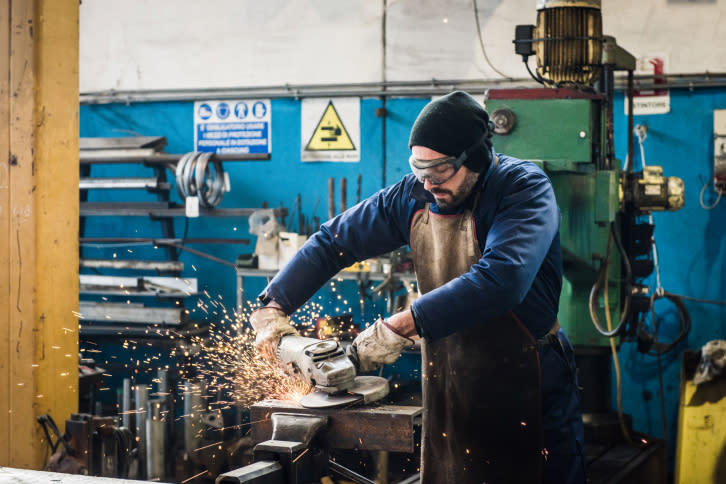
point(458, 196)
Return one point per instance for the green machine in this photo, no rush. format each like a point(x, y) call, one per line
point(566, 127)
point(563, 131)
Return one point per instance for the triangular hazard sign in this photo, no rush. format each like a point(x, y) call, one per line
point(330, 133)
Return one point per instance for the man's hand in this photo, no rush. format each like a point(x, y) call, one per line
point(270, 324)
point(377, 345)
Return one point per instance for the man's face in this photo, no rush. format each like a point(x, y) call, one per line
point(453, 191)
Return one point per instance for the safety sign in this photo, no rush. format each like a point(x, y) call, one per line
point(233, 126)
point(651, 101)
point(330, 129)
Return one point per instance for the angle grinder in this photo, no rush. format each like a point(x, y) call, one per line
point(324, 365)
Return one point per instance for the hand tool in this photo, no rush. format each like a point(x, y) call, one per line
point(324, 365)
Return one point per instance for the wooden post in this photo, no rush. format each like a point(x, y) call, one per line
point(38, 222)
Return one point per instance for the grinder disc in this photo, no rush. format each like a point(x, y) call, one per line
point(366, 389)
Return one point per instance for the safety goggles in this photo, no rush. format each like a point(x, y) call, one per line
point(440, 170)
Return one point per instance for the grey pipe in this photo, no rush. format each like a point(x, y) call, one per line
point(142, 403)
point(433, 87)
point(193, 411)
point(126, 404)
point(155, 440)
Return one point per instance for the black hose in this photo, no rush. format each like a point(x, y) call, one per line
point(600, 281)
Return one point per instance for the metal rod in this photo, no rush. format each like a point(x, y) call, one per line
point(331, 198)
point(343, 194)
point(127, 240)
point(348, 474)
point(203, 254)
point(142, 401)
point(126, 404)
point(155, 440)
point(98, 156)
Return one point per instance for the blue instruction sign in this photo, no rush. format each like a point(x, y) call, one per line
point(241, 126)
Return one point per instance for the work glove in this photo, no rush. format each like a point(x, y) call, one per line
point(376, 346)
point(270, 324)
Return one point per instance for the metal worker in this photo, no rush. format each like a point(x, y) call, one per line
point(499, 386)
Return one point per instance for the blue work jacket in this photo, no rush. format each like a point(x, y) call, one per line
point(517, 226)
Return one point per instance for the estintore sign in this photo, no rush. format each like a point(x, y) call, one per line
point(652, 101)
point(330, 130)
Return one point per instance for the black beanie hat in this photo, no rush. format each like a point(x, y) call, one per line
point(453, 124)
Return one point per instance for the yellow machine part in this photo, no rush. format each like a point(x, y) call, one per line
point(701, 444)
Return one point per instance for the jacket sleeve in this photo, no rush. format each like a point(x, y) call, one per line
point(523, 228)
point(371, 228)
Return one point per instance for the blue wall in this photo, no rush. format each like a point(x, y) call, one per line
point(691, 247)
point(691, 242)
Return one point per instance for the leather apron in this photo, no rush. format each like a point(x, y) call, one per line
point(481, 386)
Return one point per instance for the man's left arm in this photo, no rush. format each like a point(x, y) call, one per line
point(517, 243)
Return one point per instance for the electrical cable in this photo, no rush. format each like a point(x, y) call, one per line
point(703, 190)
point(699, 300)
point(657, 348)
point(660, 380)
point(616, 362)
point(536, 77)
point(602, 280)
point(481, 43)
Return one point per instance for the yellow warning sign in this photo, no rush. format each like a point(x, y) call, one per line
point(330, 133)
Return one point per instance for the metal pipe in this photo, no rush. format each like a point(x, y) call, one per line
point(126, 404)
point(193, 410)
point(431, 87)
point(142, 402)
point(155, 440)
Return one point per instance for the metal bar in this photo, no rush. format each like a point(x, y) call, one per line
point(133, 240)
point(122, 183)
point(140, 209)
point(141, 265)
point(152, 157)
point(204, 255)
point(384, 427)
point(119, 312)
point(166, 284)
point(347, 473)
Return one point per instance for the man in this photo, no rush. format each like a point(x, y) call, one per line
point(499, 390)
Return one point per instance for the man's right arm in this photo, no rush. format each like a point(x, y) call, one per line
point(373, 227)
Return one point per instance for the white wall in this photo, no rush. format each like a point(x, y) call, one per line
point(166, 44)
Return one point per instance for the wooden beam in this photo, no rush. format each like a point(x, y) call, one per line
point(4, 230)
point(38, 222)
point(56, 198)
